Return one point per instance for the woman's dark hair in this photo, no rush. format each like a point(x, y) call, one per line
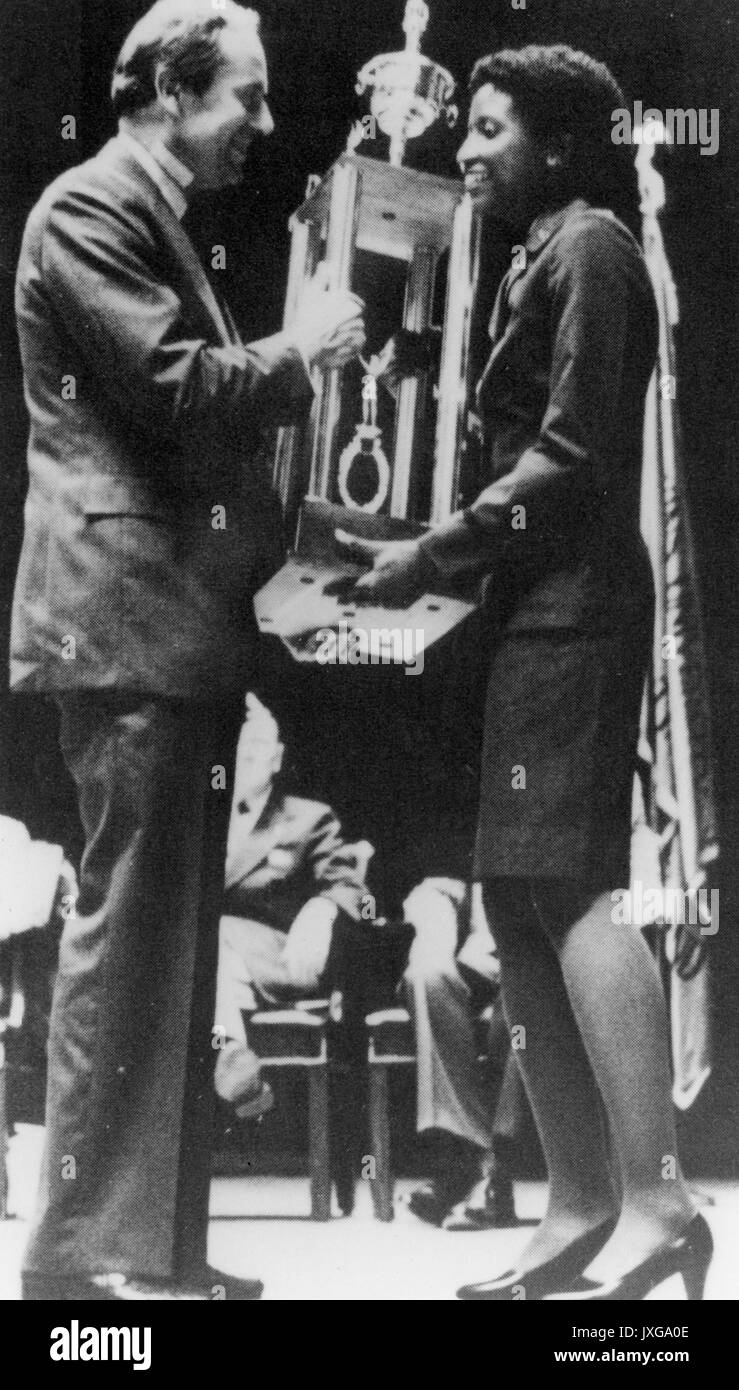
point(567, 98)
point(184, 35)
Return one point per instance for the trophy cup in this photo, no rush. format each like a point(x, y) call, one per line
point(328, 475)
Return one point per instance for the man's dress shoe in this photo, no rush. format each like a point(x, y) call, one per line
point(497, 1213)
point(238, 1081)
point(219, 1285)
point(437, 1199)
point(212, 1286)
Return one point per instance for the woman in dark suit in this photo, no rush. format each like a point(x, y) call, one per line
point(570, 607)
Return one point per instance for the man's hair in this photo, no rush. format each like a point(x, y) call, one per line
point(184, 36)
point(558, 92)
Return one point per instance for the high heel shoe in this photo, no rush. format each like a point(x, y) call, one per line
point(545, 1278)
point(689, 1255)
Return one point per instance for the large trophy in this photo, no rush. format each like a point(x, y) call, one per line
point(339, 471)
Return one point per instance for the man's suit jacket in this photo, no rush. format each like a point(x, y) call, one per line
point(148, 523)
point(294, 852)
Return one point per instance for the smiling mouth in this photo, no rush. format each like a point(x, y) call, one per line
point(476, 178)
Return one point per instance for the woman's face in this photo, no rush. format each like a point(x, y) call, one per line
point(504, 168)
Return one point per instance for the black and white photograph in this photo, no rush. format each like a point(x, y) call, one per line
point(369, 814)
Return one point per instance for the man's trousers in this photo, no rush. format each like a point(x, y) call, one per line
point(125, 1180)
point(452, 1093)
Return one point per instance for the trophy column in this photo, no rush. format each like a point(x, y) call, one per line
point(340, 243)
point(419, 300)
point(464, 258)
point(304, 253)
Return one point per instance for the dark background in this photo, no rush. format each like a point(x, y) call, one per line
point(398, 756)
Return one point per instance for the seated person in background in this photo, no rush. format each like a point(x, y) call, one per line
point(38, 891)
point(288, 876)
point(34, 878)
point(452, 974)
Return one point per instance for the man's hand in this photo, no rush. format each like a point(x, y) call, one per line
point(397, 577)
point(418, 897)
point(328, 329)
point(478, 954)
point(432, 909)
point(308, 943)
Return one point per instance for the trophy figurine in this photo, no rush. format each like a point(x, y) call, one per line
point(409, 91)
point(338, 472)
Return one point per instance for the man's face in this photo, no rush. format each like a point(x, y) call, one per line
point(213, 132)
point(503, 167)
point(258, 760)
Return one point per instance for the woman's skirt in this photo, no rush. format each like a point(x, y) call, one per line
point(559, 755)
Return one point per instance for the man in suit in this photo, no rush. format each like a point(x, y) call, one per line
point(288, 876)
point(148, 527)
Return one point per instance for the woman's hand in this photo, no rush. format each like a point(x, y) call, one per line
point(407, 353)
point(398, 573)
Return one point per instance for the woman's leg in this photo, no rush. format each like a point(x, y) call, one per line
point(557, 1074)
point(617, 1000)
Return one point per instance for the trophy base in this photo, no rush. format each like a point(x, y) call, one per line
point(323, 629)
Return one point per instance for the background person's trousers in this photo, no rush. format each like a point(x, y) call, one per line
point(125, 1181)
point(252, 974)
point(452, 1092)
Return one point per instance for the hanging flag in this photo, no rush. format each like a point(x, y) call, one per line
point(674, 832)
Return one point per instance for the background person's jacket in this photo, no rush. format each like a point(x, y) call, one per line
point(295, 852)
